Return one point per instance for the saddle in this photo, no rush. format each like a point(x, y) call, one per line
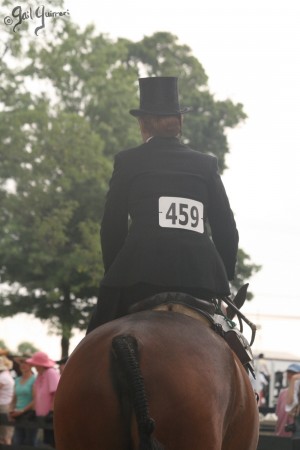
point(211, 313)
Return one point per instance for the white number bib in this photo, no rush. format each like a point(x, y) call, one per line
point(178, 212)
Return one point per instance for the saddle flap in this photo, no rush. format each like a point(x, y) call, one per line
point(239, 345)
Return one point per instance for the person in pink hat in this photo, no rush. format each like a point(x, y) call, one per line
point(44, 389)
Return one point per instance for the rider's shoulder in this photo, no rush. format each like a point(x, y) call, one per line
point(128, 152)
point(206, 158)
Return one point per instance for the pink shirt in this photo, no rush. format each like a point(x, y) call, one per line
point(45, 387)
point(283, 416)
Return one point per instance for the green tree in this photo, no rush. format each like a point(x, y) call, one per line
point(57, 141)
point(2, 345)
point(102, 86)
point(245, 269)
point(50, 249)
point(26, 348)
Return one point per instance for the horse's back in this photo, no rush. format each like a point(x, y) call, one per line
point(195, 388)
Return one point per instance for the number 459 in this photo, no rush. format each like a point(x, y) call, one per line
point(176, 212)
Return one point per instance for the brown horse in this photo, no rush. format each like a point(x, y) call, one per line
point(161, 365)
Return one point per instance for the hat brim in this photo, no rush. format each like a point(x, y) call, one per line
point(143, 112)
point(3, 352)
point(34, 362)
point(295, 368)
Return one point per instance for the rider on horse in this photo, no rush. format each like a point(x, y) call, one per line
point(163, 199)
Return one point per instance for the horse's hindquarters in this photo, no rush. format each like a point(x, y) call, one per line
point(244, 417)
point(188, 374)
point(87, 413)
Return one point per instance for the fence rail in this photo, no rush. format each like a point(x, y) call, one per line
point(26, 447)
point(36, 422)
point(267, 441)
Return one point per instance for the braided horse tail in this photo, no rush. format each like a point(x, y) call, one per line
point(129, 385)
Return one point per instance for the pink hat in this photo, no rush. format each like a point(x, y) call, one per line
point(40, 359)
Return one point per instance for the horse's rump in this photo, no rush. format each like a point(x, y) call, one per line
point(196, 391)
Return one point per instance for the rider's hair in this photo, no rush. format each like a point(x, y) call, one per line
point(162, 126)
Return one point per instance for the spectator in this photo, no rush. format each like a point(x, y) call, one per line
point(261, 382)
point(15, 368)
point(44, 389)
point(293, 403)
point(6, 395)
point(22, 405)
point(284, 418)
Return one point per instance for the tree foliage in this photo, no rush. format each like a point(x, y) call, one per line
point(245, 269)
point(64, 105)
point(26, 348)
point(3, 346)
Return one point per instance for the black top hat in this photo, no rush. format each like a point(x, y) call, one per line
point(159, 97)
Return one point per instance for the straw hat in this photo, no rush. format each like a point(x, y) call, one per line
point(40, 359)
point(5, 363)
point(3, 351)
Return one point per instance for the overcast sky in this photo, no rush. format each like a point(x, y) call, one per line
point(250, 52)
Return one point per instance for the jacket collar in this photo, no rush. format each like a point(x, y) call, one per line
point(156, 141)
